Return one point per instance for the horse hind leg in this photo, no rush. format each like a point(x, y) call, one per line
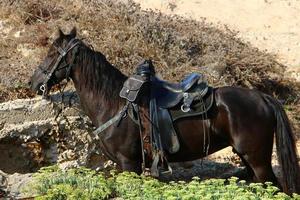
point(249, 175)
point(261, 168)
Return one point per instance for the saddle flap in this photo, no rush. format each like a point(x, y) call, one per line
point(198, 108)
point(132, 87)
point(169, 136)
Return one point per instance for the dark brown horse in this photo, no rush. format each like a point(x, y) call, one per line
point(245, 119)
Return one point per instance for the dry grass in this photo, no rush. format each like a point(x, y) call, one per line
point(126, 35)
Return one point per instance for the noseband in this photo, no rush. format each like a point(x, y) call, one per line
point(63, 52)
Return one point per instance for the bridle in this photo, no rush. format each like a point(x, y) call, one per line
point(63, 52)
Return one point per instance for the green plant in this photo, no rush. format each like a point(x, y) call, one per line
point(51, 183)
point(82, 183)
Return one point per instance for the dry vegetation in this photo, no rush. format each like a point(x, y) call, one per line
point(126, 35)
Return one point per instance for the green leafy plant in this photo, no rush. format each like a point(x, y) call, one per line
point(82, 183)
point(51, 183)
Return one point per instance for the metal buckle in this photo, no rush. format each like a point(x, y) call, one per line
point(43, 88)
point(185, 108)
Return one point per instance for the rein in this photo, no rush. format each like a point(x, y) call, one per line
point(117, 118)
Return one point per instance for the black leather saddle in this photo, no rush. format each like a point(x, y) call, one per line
point(168, 94)
point(168, 101)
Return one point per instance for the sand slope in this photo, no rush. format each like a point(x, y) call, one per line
point(267, 24)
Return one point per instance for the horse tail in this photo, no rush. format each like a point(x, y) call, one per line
point(286, 149)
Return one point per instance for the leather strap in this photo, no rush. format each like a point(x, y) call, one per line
point(117, 118)
point(63, 52)
point(145, 135)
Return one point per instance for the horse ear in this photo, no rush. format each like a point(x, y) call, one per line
point(60, 33)
point(73, 32)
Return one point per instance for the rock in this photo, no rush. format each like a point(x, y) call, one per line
point(32, 133)
point(12, 186)
point(3, 180)
point(16, 185)
point(69, 164)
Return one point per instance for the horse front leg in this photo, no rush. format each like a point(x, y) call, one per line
point(129, 165)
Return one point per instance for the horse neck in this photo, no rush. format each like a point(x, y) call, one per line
point(99, 88)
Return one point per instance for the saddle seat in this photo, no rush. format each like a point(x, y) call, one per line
point(168, 94)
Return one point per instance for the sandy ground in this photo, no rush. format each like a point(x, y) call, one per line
point(273, 25)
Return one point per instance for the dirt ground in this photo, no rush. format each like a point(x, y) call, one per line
point(273, 25)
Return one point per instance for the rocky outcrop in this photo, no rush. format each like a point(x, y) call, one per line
point(37, 132)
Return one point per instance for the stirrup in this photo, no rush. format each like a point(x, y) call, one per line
point(169, 171)
point(154, 167)
point(147, 172)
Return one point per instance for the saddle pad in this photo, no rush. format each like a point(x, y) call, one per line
point(198, 108)
point(132, 87)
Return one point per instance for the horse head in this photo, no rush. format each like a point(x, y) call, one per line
point(57, 64)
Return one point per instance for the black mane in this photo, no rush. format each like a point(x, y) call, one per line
point(98, 74)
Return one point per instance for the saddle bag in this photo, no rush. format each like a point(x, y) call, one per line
point(132, 88)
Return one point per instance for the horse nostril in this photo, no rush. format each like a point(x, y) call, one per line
point(29, 83)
